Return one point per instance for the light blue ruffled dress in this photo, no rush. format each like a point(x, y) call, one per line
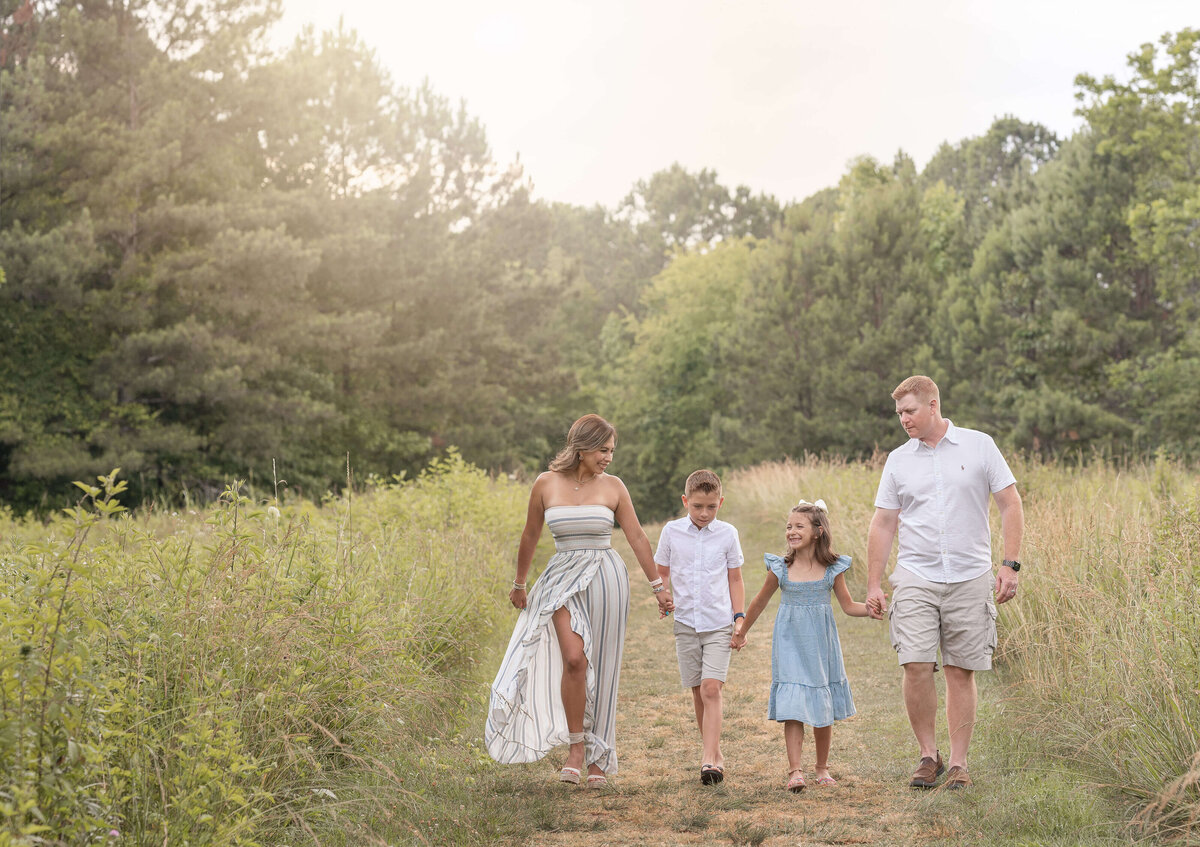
point(808, 678)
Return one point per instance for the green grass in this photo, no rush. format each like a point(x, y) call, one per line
point(1094, 736)
point(249, 673)
point(236, 676)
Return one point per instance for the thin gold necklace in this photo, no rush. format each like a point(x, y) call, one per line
point(579, 483)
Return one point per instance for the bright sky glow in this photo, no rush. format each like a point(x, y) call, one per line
point(775, 94)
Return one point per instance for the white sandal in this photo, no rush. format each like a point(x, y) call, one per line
point(572, 775)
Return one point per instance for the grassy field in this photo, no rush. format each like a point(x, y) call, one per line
point(247, 673)
point(1087, 731)
point(264, 672)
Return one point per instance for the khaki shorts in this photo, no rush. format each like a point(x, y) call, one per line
point(958, 617)
point(702, 655)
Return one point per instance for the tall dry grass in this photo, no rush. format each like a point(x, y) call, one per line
point(761, 497)
point(1104, 647)
point(1100, 656)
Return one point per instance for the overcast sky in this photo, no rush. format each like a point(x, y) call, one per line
point(775, 95)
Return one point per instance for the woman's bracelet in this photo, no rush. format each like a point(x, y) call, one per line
point(657, 586)
point(519, 586)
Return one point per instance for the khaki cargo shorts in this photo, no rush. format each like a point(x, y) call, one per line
point(958, 617)
point(702, 655)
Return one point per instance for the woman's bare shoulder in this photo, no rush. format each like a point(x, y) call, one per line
point(545, 478)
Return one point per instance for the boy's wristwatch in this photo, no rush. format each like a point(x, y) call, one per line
point(1011, 563)
point(737, 615)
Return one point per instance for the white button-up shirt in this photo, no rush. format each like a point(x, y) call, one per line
point(699, 560)
point(942, 493)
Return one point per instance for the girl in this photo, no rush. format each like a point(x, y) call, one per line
point(808, 680)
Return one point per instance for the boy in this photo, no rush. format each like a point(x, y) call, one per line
point(700, 558)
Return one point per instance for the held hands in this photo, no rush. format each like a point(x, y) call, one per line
point(665, 604)
point(876, 603)
point(738, 640)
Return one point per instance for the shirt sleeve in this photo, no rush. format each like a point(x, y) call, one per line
point(1000, 476)
point(887, 496)
point(662, 556)
point(733, 556)
point(775, 564)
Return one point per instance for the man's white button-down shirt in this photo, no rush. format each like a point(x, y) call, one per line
point(942, 493)
point(699, 560)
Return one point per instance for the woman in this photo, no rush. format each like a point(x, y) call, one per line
point(571, 631)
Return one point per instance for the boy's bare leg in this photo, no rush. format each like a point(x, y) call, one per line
point(710, 720)
point(698, 704)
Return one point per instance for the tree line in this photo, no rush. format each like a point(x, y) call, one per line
point(223, 261)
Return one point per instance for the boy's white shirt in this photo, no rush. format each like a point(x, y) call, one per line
point(699, 560)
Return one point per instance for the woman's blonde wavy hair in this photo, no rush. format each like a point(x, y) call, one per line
point(588, 433)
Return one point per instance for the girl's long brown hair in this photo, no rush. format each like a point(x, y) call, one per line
point(823, 544)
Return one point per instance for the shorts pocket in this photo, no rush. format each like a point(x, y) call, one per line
point(992, 636)
point(892, 627)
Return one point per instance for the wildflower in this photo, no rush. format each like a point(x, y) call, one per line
point(273, 513)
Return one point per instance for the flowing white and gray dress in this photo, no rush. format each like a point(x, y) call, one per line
point(525, 715)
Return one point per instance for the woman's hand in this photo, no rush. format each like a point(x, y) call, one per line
point(665, 604)
point(518, 597)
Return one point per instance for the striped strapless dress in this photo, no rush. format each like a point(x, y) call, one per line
point(525, 713)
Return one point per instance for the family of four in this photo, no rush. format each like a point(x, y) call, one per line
point(558, 681)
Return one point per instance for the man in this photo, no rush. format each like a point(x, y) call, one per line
point(935, 489)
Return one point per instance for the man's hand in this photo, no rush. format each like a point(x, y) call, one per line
point(1006, 584)
point(876, 603)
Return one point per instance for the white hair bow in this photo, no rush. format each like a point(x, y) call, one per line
point(820, 504)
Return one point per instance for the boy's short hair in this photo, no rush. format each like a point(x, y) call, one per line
point(922, 386)
point(704, 481)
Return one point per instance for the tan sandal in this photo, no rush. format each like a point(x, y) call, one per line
point(597, 780)
point(570, 775)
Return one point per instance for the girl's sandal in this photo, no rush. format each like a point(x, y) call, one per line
point(826, 780)
point(796, 783)
point(597, 780)
point(570, 775)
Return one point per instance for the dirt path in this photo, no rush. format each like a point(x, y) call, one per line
point(657, 798)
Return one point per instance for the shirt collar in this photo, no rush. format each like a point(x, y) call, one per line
point(691, 527)
point(951, 436)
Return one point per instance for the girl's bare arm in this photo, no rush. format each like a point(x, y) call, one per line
point(756, 608)
point(849, 605)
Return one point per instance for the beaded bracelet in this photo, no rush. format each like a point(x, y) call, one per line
point(519, 586)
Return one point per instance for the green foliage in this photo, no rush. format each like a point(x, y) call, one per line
point(684, 209)
point(253, 672)
point(672, 385)
point(219, 261)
